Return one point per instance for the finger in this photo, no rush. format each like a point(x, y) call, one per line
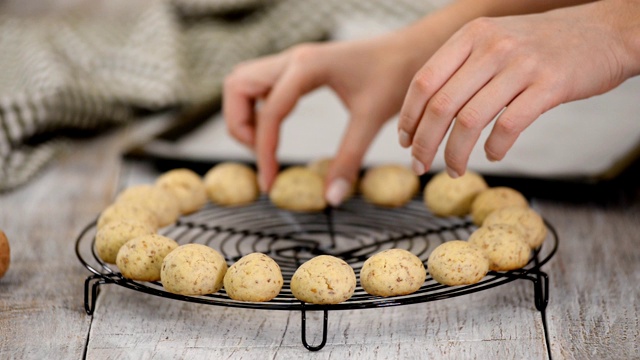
point(427, 81)
point(443, 106)
point(518, 115)
point(474, 116)
point(345, 166)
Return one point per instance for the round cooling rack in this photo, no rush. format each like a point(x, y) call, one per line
point(352, 232)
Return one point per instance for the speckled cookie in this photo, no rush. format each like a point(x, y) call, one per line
point(5, 254)
point(503, 245)
point(127, 211)
point(162, 202)
point(525, 219)
point(495, 198)
point(187, 187)
point(324, 279)
point(231, 184)
point(193, 269)
point(141, 258)
point(111, 237)
point(457, 262)
point(392, 272)
point(255, 277)
point(389, 185)
point(298, 189)
point(446, 196)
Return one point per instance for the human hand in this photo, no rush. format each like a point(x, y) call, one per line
point(369, 76)
point(522, 66)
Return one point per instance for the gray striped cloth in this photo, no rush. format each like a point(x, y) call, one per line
point(97, 64)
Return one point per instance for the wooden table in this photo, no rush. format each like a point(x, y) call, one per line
point(593, 311)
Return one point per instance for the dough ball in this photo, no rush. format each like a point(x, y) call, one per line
point(255, 277)
point(187, 187)
point(446, 196)
point(503, 245)
point(389, 185)
point(392, 272)
point(457, 262)
point(111, 237)
point(127, 211)
point(160, 201)
point(324, 279)
point(495, 198)
point(525, 219)
point(298, 189)
point(141, 258)
point(5, 254)
point(193, 269)
point(321, 167)
point(230, 184)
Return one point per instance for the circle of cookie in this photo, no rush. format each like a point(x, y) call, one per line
point(298, 188)
point(111, 237)
point(160, 201)
point(186, 186)
point(141, 258)
point(5, 254)
point(495, 198)
point(255, 277)
point(503, 245)
point(193, 269)
point(525, 219)
point(389, 185)
point(324, 279)
point(231, 184)
point(392, 272)
point(457, 262)
point(127, 211)
point(446, 196)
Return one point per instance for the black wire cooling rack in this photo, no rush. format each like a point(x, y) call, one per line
point(353, 232)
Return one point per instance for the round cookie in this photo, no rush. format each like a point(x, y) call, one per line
point(457, 262)
point(160, 201)
point(255, 277)
point(127, 211)
point(324, 279)
point(389, 185)
point(187, 187)
point(525, 219)
point(503, 245)
point(392, 272)
point(5, 254)
point(298, 189)
point(111, 237)
point(231, 184)
point(193, 269)
point(446, 196)
point(495, 198)
point(141, 258)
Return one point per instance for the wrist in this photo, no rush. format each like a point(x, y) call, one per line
point(625, 19)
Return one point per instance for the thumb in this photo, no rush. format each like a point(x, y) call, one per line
point(345, 167)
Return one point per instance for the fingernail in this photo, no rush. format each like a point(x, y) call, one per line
point(492, 159)
point(417, 166)
point(452, 173)
point(403, 138)
point(337, 191)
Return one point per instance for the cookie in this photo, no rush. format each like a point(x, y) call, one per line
point(193, 269)
point(525, 219)
point(160, 201)
point(127, 211)
point(446, 196)
point(255, 277)
point(321, 167)
point(187, 187)
point(324, 279)
point(503, 245)
point(111, 237)
point(231, 184)
point(457, 262)
point(5, 254)
point(392, 272)
point(389, 185)
point(141, 258)
point(495, 198)
point(298, 189)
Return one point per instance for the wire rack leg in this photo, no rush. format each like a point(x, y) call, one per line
point(91, 291)
point(324, 331)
